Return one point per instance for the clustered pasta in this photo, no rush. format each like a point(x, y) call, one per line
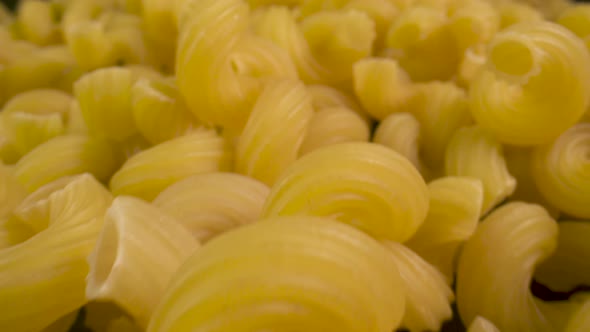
point(295, 165)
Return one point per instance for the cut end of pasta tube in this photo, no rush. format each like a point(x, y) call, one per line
point(514, 58)
point(104, 262)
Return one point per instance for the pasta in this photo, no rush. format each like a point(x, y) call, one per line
point(159, 22)
point(428, 296)
point(580, 319)
point(453, 215)
point(577, 20)
point(560, 172)
point(474, 23)
point(36, 21)
point(473, 153)
point(481, 324)
point(137, 240)
point(107, 316)
point(148, 172)
point(496, 264)
point(512, 13)
point(11, 191)
point(273, 135)
point(515, 96)
point(364, 185)
point(56, 257)
point(248, 266)
point(210, 204)
point(63, 324)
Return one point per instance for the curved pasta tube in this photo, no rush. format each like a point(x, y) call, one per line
point(474, 59)
point(275, 131)
point(11, 191)
point(453, 215)
point(56, 257)
point(515, 96)
point(76, 124)
point(496, 267)
point(366, 185)
point(325, 96)
point(472, 152)
point(90, 45)
point(474, 22)
point(37, 22)
point(126, 33)
point(158, 111)
point(419, 40)
point(246, 268)
point(210, 204)
point(13, 232)
point(137, 240)
point(401, 133)
point(428, 296)
point(561, 172)
point(580, 319)
point(481, 324)
point(159, 24)
point(148, 172)
point(512, 13)
point(569, 266)
point(66, 155)
point(381, 86)
point(8, 152)
point(550, 8)
point(333, 126)
point(577, 20)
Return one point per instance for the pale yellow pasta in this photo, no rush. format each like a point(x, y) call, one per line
point(148, 172)
point(441, 108)
point(551, 9)
point(37, 22)
point(428, 296)
point(76, 124)
point(561, 171)
point(473, 153)
point(275, 131)
point(325, 96)
point(90, 45)
point(419, 40)
point(569, 266)
point(137, 240)
point(496, 266)
point(11, 191)
point(130, 6)
point(159, 24)
point(100, 316)
point(473, 23)
point(63, 324)
point(453, 215)
point(580, 320)
point(401, 132)
point(56, 257)
point(13, 232)
point(104, 96)
point(159, 112)
point(474, 59)
point(481, 324)
point(210, 204)
point(515, 96)
point(512, 13)
point(365, 185)
point(333, 126)
point(126, 33)
point(381, 86)
point(577, 20)
point(285, 274)
point(66, 155)
point(8, 152)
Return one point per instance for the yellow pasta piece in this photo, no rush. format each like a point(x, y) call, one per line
point(159, 112)
point(366, 185)
point(473, 153)
point(474, 22)
point(474, 59)
point(101, 315)
point(515, 96)
point(248, 268)
point(63, 324)
point(104, 96)
point(512, 13)
point(148, 172)
point(275, 131)
point(125, 31)
point(56, 257)
point(428, 296)
point(481, 324)
point(561, 172)
point(13, 50)
point(496, 267)
point(333, 126)
point(580, 319)
point(401, 133)
point(13, 232)
point(11, 191)
point(453, 215)
point(210, 204)
point(76, 124)
point(423, 43)
point(38, 22)
point(159, 24)
point(130, 6)
point(381, 86)
point(89, 44)
point(577, 20)
point(325, 96)
point(137, 240)
point(551, 9)
point(66, 155)
point(8, 152)
point(569, 266)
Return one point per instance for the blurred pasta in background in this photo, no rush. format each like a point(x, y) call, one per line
point(295, 165)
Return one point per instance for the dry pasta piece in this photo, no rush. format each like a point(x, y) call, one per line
point(428, 296)
point(577, 20)
point(76, 124)
point(481, 324)
point(325, 96)
point(248, 268)
point(421, 40)
point(381, 86)
point(148, 172)
point(473, 23)
point(561, 171)
point(580, 319)
point(275, 131)
point(512, 13)
point(496, 267)
point(551, 9)
point(159, 24)
point(333, 126)
point(66, 155)
point(38, 22)
point(63, 324)
point(453, 215)
point(137, 240)
point(474, 59)
point(569, 266)
point(104, 316)
point(365, 185)
point(56, 257)
point(11, 191)
point(515, 96)
point(210, 204)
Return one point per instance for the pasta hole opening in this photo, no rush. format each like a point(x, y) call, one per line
point(513, 58)
point(105, 257)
